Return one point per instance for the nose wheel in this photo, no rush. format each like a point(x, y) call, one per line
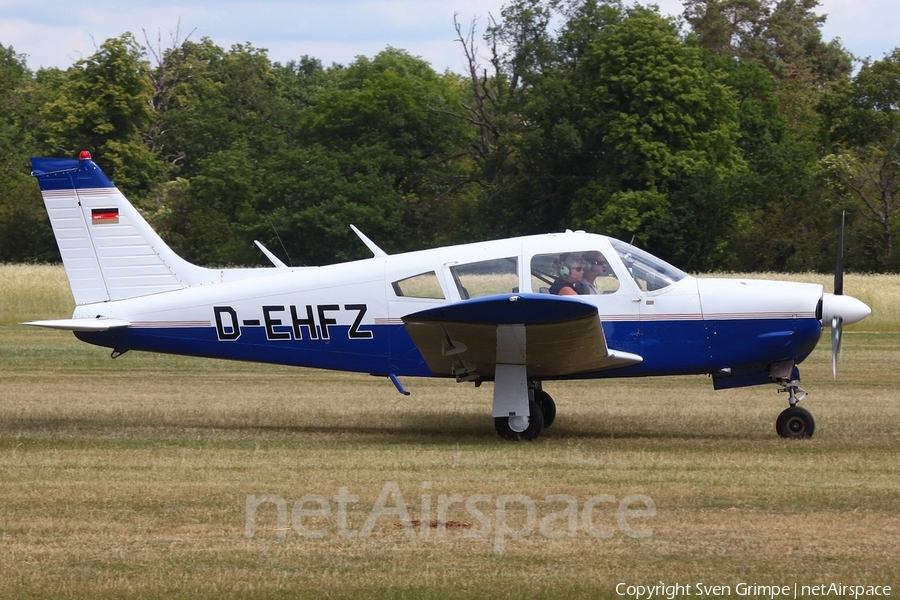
point(795, 422)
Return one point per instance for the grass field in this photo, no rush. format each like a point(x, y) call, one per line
point(133, 477)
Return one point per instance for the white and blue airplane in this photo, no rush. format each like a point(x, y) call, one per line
point(474, 312)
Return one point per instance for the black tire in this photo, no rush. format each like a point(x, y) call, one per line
point(795, 423)
point(535, 425)
point(548, 406)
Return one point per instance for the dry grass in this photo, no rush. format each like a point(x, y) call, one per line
point(129, 478)
point(32, 292)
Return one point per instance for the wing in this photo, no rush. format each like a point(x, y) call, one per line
point(552, 335)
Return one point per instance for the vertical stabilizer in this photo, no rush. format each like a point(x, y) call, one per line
point(109, 251)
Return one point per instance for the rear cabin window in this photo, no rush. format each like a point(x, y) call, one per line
point(487, 278)
point(424, 285)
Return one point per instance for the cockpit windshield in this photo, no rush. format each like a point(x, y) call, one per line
point(649, 272)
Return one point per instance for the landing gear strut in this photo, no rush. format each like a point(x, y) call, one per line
point(795, 422)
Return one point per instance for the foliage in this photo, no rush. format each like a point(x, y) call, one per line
point(600, 125)
point(734, 143)
point(103, 105)
point(24, 232)
point(784, 36)
point(861, 127)
point(658, 119)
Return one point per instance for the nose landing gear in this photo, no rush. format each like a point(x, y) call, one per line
point(795, 422)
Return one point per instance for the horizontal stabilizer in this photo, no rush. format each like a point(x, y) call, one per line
point(81, 324)
point(551, 335)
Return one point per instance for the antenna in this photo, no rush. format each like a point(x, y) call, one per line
point(290, 262)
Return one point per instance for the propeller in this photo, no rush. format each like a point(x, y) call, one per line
point(839, 310)
point(837, 321)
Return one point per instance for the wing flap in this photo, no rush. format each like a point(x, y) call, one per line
point(552, 336)
point(100, 324)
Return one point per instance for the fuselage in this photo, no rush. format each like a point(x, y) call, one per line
point(348, 316)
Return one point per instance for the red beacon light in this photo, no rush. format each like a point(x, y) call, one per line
point(84, 155)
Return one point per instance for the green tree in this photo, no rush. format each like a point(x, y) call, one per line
point(727, 27)
point(542, 163)
point(25, 234)
point(394, 102)
point(224, 117)
point(302, 81)
point(15, 78)
point(778, 184)
point(778, 65)
point(104, 105)
point(657, 120)
point(205, 216)
point(211, 101)
point(382, 145)
point(861, 127)
point(785, 36)
point(604, 124)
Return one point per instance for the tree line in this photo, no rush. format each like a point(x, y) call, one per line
point(731, 138)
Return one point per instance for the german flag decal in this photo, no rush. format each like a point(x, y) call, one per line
point(104, 216)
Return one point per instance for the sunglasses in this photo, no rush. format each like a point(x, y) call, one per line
point(576, 268)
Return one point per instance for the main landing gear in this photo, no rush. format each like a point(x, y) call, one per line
point(545, 403)
point(541, 414)
point(794, 422)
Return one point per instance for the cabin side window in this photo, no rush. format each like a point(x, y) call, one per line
point(550, 272)
point(423, 285)
point(487, 278)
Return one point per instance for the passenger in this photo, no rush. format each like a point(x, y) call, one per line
point(595, 266)
point(571, 270)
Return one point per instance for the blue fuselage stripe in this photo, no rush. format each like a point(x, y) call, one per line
point(667, 347)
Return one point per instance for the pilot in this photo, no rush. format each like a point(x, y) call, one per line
point(595, 266)
point(571, 270)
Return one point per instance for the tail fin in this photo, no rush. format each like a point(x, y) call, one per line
point(109, 251)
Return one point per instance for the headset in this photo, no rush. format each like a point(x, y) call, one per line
point(564, 270)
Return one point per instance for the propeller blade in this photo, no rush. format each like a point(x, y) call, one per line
point(839, 267)
point(836, 337)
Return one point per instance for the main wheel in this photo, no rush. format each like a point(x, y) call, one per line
point(548, 406)
point(795, 423)
point(521, 428)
